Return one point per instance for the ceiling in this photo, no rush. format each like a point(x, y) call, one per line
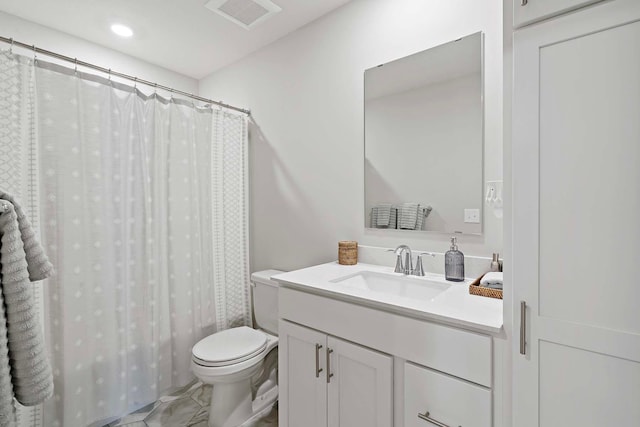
point(180, 35)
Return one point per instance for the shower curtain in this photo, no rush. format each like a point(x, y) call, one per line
point(143, 211)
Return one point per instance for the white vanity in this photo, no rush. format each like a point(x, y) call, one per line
point(363, 346)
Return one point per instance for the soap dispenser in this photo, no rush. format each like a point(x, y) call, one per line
point(454, 263)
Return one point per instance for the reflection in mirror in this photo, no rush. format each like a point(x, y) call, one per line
point(424, 140)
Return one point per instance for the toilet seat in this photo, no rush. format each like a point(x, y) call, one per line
point(229, 347)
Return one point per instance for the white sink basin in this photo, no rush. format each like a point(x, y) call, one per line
point(403, 286)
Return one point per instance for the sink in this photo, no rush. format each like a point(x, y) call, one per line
point(402, 286)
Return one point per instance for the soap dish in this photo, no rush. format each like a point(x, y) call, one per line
point(476, 289)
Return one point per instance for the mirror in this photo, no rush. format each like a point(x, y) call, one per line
point(424, 133)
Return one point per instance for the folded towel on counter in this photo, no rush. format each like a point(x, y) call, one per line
point(492, 280)
point(384, 214)
point(408, 216)
point(22, 261)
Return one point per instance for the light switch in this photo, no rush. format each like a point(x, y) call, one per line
point(472, 216)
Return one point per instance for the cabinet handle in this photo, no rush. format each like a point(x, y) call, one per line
point(433, 421)
point(329, 374)
point(523, 327)
point(524, 2)
point(318, 368)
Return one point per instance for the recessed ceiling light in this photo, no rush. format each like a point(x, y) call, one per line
point(122, 30)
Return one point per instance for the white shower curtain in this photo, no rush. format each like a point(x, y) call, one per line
point(143, 206)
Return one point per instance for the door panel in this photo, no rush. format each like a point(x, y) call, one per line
point(576, 168)
point(361, 388)
point(303, 393)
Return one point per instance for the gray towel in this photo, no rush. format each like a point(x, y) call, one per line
point(30, 372)
point(384, 214)
point(423, 213)
point(408, 216)
point(37, 262)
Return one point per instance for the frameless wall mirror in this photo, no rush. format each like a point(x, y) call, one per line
point(424, 132)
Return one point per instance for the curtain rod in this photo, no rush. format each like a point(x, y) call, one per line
point(77, 62)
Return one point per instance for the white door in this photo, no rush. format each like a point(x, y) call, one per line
point(360, 386)
point(576, 227)
point(301, 379)
point(528, 11)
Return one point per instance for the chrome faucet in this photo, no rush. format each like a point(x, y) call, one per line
point(403, 266)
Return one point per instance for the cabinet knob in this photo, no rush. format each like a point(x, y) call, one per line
point(524, 2)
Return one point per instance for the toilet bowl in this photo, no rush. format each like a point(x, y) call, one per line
point(230, 359)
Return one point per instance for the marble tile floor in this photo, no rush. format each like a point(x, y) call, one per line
point(188, 407)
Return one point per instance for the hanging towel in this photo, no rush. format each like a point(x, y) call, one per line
point(393, 218)
point(38, 264)
point(423, 213)
point(408, 216)
point(384, 214)
point(374, 217)
point(30, 372)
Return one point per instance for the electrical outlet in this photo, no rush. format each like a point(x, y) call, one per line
point(472, 216)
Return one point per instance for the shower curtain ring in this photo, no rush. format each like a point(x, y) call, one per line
point(75, 68)
point(135, 83)
point(35, 53)
point(11, 47)
point(109, 74)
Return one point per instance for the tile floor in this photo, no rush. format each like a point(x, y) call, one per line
point(188, 407)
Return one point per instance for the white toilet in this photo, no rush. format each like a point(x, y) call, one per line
point(229, 359)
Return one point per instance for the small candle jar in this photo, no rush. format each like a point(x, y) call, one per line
point(347, 253)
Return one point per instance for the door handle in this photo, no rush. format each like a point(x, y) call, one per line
point(523, 327)
point(318, 368)
point(329, 374)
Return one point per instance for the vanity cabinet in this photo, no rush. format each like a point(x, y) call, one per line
point(386, 367)
point(326, 381)
point(576, 169)
point(528, 11)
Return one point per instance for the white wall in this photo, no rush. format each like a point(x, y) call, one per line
point(306, 95)
point(425, 145)
point(65, 44)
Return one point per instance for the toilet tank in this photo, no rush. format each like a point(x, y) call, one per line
point(265, 300)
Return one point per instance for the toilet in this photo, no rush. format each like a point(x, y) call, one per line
point(230, 359)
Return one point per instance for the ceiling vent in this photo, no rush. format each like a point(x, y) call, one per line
point(246, 13)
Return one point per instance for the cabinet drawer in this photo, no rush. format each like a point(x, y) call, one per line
point(449, 401)
point(526, 12)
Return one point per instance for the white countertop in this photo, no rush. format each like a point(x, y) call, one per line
point(453, 306)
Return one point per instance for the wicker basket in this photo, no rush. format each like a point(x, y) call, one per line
point(347, 253)
point(476, 289)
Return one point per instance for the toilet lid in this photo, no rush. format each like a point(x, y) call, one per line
point(230, 346)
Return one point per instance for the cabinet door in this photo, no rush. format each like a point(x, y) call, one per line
point(431, 398)
point(301, 376)
point(360, 386)
point(576, 234)
point(529, 11)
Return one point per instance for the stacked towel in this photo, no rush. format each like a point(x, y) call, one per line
point(384, 215)
point(408, 216)
point(492, 280)
point(22, 260)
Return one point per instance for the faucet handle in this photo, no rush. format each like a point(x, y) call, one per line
point(399, 267)
point(419, 269)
